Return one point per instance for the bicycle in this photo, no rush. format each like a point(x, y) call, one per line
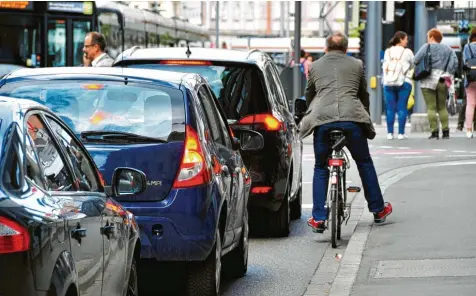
point(336, 195)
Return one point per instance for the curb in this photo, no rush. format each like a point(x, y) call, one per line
point(337, 278)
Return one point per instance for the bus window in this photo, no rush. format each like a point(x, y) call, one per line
point(56, 43)
point(80, 29)
point(19, 40)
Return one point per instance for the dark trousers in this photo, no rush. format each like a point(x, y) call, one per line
point(359, 149)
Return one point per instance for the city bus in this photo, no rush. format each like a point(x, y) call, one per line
point(46, 33)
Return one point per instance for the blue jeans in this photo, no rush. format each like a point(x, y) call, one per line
point(359, 149)
point(396, 98)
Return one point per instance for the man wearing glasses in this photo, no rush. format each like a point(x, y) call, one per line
point(94, 51)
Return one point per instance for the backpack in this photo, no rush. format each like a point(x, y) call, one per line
point(301, 66)
point(470, 66)
point(393, 75)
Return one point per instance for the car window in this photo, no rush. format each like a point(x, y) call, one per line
point(238, 87)
point(212, 116)
point(139, 108)
point(32, 163)
point(83, 169)
point(272, 86)
point(279, 86)
point(57, 175)
point(223, 125)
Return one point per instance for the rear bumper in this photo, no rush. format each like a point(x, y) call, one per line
point(180, 227)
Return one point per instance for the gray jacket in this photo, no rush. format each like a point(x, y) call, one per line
point(104, 61)
point(336, 91)
point(440, 55)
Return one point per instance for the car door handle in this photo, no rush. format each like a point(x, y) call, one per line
point(79, 233)
point(108, 230)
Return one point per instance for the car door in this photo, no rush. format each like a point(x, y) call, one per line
point(83, 219)
point(230, 158)
point(293, 131)
point(110, 214)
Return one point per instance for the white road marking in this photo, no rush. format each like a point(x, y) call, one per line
point(412, 156)
point(306, 206)
point(459, 151)
point(403, 148)
point(438, 150)
point(461, 155)
point(385, 147)
point(403, 153)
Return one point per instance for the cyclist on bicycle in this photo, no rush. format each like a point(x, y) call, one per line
point(337, 98)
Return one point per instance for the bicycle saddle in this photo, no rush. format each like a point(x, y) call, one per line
point(337, 139)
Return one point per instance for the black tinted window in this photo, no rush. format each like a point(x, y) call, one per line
point(239, 89)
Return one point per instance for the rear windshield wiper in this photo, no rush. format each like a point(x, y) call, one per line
point(113, 136)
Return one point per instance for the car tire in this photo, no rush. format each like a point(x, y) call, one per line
point(235, 263)
point(203, 278)
point(279, 221)
point(132, 283)
point(296, 204)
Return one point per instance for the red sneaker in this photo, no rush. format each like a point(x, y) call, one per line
point(382, 216)
point(317, 226)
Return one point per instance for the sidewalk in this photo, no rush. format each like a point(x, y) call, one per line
point(428, 246)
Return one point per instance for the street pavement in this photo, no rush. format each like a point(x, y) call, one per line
point(304, 263)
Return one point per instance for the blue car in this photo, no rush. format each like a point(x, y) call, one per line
point(169, 126)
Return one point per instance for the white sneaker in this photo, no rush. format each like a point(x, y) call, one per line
point(389, 137)
point(469, 134)
point(402, 137)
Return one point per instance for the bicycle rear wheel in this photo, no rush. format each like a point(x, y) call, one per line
point(342, 194)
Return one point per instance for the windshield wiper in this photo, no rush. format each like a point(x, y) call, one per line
point(113, 136)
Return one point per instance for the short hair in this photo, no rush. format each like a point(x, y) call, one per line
point(303, 53)
point(436, 34)
point(337, 41)
point(472, 37)
point(99, 39)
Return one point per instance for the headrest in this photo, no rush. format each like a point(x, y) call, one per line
point(121, 96)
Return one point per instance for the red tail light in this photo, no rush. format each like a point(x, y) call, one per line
point(13, 237)
point(336, 162)
point(186, 62)
point(270, 122)
point(193, 170)
point(261, 190)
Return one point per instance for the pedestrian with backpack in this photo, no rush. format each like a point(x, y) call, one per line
point(397, 82)
point(469, 65)
point(434, 63)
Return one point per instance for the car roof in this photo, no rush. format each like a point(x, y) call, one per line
point(174, 78)
point(196, 53)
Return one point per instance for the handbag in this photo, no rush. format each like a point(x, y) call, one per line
point(423, 68)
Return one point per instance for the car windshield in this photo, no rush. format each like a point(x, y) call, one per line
point(238, 88)
point(151, 111)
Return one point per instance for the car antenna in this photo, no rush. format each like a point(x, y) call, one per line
point(188, 52)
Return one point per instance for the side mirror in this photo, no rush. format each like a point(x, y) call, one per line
point(300, 107)
point(251, 140)
point(127, 181)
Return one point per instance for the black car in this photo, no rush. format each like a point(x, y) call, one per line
point(60, 233)
point(250, 92)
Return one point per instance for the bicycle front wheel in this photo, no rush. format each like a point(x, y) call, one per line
point(334, 214)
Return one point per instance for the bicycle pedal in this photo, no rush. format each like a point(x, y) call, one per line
point(353, 189)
